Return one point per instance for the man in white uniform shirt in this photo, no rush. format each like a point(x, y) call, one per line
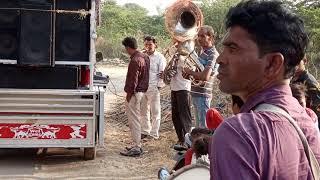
point(150, 107)
point(180, 103)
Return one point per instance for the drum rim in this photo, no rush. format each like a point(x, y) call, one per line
point(186, 168)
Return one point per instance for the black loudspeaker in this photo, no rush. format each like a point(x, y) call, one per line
point(36, 33)
point(35, 2)
point(73, 4)
point(9, 29)
point(58, 77)
point(72, 32)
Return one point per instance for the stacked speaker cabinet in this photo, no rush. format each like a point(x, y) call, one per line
point(32, 34)
point(72, 32)
point(36, 33)
point(28, 77)
point(9, 29)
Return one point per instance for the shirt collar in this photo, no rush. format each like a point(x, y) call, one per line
point(272, 95)
point(135, 53)
point(154, 53)
point(206, 50)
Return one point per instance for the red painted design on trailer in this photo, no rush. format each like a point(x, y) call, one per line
point(40, 131)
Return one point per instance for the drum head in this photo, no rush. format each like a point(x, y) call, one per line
point(191, 172)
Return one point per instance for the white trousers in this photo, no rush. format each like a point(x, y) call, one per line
point(133, 113)
point(151, 109)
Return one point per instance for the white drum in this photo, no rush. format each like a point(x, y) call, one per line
point(191, 172)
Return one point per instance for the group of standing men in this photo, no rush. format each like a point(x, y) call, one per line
point(144, 80)
point(201, 95)
point(272, 137)
point(143, 83)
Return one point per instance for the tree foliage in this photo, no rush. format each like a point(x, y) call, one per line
point(128, 20)
point(132, 20)
point(214, 12)
point(310, 13)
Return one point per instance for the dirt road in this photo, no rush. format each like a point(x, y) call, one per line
point(68, 164)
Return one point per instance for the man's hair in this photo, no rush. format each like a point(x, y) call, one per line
point(130, 42)
point(237, 100)
point(201, 145)
point(209, 30)
point(298, 91)
point(200, 131)
point(150, 38)
point(273, 27)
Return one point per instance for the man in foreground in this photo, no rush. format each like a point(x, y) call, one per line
point(263, 44)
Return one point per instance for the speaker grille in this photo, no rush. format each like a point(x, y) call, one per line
point(73, 4)
point(72, 38)
point(38, 37)
point(59, 77)
point(35, 38)
point(72, 32)
point(9, 30)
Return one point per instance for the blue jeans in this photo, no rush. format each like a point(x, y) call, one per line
point(201, 106)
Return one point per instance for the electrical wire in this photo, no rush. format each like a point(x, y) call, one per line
point(115, 90)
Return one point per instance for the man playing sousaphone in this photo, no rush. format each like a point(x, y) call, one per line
point(202, 94)
point(183, 20)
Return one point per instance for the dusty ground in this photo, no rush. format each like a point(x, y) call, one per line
point(109, 164)
point(68, 164)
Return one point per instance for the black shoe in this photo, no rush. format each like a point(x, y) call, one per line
point(133, 152)
point(129, 148)
point(180, 147)
point(143, 136)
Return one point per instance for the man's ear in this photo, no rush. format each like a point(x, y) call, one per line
point(274, 64)
point(305, 60)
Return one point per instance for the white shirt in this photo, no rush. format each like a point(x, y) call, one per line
point(157, 64)
point(178, 82)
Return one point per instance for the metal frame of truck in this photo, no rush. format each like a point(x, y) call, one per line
point(44, 118)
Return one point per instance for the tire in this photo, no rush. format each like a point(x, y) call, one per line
point(89, 153)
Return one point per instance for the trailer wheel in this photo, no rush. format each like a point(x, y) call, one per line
point(89, 153)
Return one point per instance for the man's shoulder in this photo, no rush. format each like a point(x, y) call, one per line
point(308, 79)
point(139, 56)
point(247, 125)
point(210, 55)
point(239, 123)
point(213, 51)
point(311, 80)
point(237, 132)
point(158, 55)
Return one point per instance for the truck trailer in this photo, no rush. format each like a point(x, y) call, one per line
point(48, 97)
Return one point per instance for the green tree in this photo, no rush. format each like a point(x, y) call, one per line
point(117, 23)
point(310, 13)
point(132, 20)
point(127, 20)
point(214, 12)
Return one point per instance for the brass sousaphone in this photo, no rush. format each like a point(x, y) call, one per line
point(183, 20)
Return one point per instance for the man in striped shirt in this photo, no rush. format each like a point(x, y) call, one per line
point(202, 94)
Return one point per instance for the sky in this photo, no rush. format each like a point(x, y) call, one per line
point(150, 5)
